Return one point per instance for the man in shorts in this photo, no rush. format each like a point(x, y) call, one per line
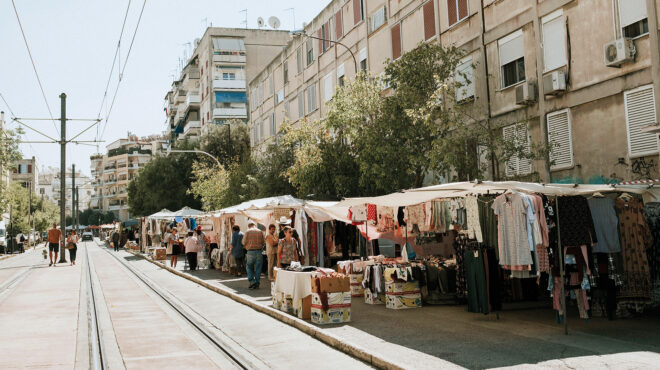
point(54, 236)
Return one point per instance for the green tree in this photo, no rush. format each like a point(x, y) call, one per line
point(44, 213)
point(218, 143)
point(271, 169)
point(9, 154)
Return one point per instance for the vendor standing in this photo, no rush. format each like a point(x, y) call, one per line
point(237, 251)
point(271, 250)
point(287, 249)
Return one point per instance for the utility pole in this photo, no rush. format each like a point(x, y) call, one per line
point(29, 212)
point(73, 197)
point(63, 176)
point(77, 209)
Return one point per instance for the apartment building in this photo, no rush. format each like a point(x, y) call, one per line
point(211, 89)
point(113, 171)
point(578, 75)
point(4, 171)
point(26, 173)
point(48, 188)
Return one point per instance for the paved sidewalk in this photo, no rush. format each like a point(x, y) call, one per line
point(419, 338)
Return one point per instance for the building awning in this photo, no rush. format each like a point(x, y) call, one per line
point(230, 97)
point(229, 44)
point(131, 222)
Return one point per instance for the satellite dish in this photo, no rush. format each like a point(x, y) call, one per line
point(260, 22)
point(274, 22)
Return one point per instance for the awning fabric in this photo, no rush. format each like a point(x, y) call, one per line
point(230, 97)
point(228, 44)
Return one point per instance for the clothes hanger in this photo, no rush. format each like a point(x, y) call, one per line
point(625, 196)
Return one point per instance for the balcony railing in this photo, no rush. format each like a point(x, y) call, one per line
point(229, 58)
point(229, 84)
point(229, 113)
point(193, 99)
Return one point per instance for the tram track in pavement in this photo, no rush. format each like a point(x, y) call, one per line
point(97, 353)
point(186, 313)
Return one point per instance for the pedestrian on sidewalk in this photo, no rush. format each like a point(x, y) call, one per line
point(271, 250)
point(72, 246)
point(114, 240)
point(254, 243)
point(54, 236)
point(237, 251)
point(191, 250)
point(176, 248)
point(287, 250)
point(20, 240)
point(123, 239)
point(201, 244)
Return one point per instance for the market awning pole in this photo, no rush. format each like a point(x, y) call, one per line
point(561, 268)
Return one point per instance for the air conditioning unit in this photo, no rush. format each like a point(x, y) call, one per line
point(554, 83)
point(526, 93)
point(619, 51)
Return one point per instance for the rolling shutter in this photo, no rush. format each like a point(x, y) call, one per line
point(429, 20)
point(452, 11)
point(396, 41)
point(339, 25)
point(631, 11)
point(554, 41)
point(320, 40)
point(511, 47)
point(560, 139)
point(357, 12)
point(462, 9)
point(301, 105)
point(640, 111)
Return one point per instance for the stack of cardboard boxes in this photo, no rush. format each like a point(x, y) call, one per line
point(331, 300)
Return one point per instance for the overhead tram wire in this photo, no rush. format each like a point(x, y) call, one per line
point(114, 61)
point(34, 67)
point(7, 105)
point(121, 73)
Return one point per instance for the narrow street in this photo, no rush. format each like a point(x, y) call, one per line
point(146, 317)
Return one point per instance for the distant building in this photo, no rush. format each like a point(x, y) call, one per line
point(26, 173)
point(4, 172)
point(211, 88)
point(113, 171)
point(48, 188)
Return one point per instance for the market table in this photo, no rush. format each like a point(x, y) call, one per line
point(296, 284)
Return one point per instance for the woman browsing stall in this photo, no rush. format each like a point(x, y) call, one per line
point(287, 249)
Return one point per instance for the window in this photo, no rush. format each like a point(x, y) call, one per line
point(363, 59)
point(512, 59)
point(429, 20)
point(273, 130)
point(640, 111)
point(271, 84)
point(518, 135)
point(560, 139)
point(463, 77)
point(311, 98)
point(310, 51)
point(358, 11)
point(340, 75)
point(299, 63)
point(287, 109)
point(285, 71)
point(396, 41)
point(301, 105)
point(261, 93)
point(554, 41)
point(339, 25)
point(457, 10)
point(228, 76)
point(321, 39)
point(279, 97)
point(632, 18)
point(327, 87)
point(377, 19)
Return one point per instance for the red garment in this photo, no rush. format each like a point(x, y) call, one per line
point(372, 215)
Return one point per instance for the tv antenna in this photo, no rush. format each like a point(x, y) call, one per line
point(245, 21)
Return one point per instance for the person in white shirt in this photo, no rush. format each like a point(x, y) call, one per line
point(192, 247)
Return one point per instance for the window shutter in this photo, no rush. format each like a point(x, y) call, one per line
point(640, 111)
point(511, 165)
point(320, 36)
point(465, 78)
point(560, 139)
point(452, 11)
point(554, 43)
point(631, 11)
point(328, 35)
point(327, 87)
point(524, 164)
point(299, 63)
point(429, 20)
point(339, 25)
point(396, 41)
point(511, 47)
point(272, 124)
point(29, 168)
point(462, 9)
point(357, 12)
point(301, 105)
point(340, 70)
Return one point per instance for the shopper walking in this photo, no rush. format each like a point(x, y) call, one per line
point(173, 242)
point(191, 250)
point(54, 236)
point(237, 251)
point(271, 250)
point(287, 249)
point(254, 243)
point(72, 246)
point(201, 253)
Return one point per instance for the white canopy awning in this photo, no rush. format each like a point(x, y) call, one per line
point(187, 212)
point(162, 214)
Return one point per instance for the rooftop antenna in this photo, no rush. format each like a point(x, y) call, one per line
point(205, 22)
point(260, 22)
point(245, 21)
point(293, 12)
point(274, 22)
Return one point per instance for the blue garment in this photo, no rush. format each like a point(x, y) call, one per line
point(237, 244)
point(193, 224)
point(531, 218)
point(254, 264)
point(606, 224)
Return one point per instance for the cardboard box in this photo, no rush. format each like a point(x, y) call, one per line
point(160, 254)
point(303, 308)
point(334, 284)
point(339, 308)
point(356, 285)
point(373, 298)
point(402, 295)
point(408, 287)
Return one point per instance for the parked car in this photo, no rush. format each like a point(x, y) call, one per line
point(87, 236)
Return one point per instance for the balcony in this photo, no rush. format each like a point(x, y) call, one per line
point(192, 128)
point(229, 58)
point(230, 112)
point(229, 84)
point(110, 182)
point(114, 207)
point(193, 100)
point(109, 169)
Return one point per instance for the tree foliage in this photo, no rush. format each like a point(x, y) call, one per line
point(44, 213)
point(226, 149)
point(9, 154)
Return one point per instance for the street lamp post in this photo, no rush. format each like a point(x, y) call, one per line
point(302, 33)
point(195, 151)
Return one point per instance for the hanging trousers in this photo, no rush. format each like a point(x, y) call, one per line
point(477, 294)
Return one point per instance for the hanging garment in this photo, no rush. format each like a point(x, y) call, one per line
point(488, 222)
point(652, 214)
point(606, 224)
point(461, 285)
point(400, 216)
point(511, 211)
point(477, 292)
point(414, 215)
point(473, 222)
point(385, 219)
point(635, 239)
point(372, 214)
point(358, 213)
point(576, 226)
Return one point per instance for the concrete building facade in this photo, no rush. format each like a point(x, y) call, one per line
point(211, 88)
point(26, 173)
point(48, 188)
point(581, 76)
point(113, 171)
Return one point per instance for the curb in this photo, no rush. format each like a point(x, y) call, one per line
point(6, 257)
point(311, 330)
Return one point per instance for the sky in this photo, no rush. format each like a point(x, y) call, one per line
point(73, 43)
